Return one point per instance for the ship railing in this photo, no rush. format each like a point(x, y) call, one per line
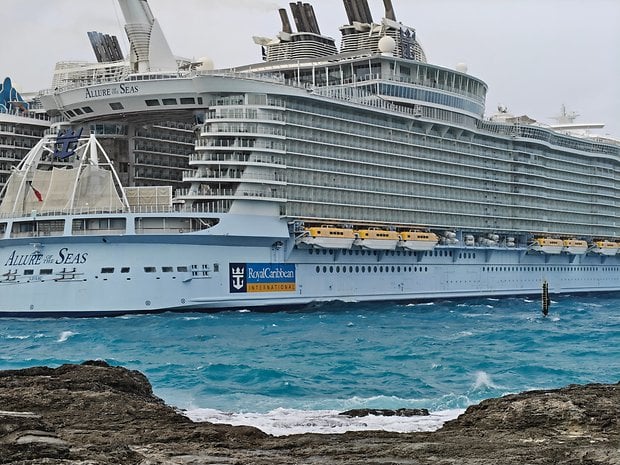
point(234, 176)
point(206, 192)
point(551, 137)
point(238, 158)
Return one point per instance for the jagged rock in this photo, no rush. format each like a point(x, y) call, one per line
point(96, 414)
point(401, 412)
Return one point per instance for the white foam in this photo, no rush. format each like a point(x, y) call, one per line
point(284, 422)
point(65, 335)
point(484, 381)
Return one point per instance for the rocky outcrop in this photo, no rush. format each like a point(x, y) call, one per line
point(98, 415)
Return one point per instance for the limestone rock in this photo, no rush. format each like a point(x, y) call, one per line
point(97, 414)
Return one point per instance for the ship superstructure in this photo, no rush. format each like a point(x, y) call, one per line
point(366, 174)
point(23, 123)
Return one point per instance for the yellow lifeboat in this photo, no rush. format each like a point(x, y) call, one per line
point(418, 240)
point(378, 239)
point(605, 247)
point(575, 246)
point(328, 237)
point(547, 245)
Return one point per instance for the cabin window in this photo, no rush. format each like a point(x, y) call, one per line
point(187, 101)
point(87, 109)
point(182, 269)
point(116, 106)
point(2, 228)
point(169, 101)
point(125, 269)
point(152, 103)
point(78, 111)
point(166, 269)
point(149, 269)
point(46, 271)
point(216, 267)
point(107, 270)
point(28, 272)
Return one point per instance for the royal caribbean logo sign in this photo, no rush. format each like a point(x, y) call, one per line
point(261, 277)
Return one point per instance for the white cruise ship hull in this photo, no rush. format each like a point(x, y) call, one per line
point(225, 268)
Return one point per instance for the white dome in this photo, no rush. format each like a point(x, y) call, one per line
point(461, 67)
point(206, 64)
point(387, 44)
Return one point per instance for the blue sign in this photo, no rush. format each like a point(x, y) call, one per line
point(66, 142)
point(262, 277)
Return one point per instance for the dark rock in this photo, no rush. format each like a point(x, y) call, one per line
point(99, 414)
point(401, 412)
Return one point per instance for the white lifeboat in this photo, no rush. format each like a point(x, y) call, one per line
point(547, 245)
point(605, 247)
point(418, 240)
point(377, 239)
point(575, 246)
point(328, 237)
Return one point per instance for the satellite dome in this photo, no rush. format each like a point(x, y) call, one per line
point(387, 44)
point(461, 67)
point(206, 64)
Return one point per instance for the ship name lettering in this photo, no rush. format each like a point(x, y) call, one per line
point(33, 258)
point(98, 92)
point(67, 258)
point(125, 89)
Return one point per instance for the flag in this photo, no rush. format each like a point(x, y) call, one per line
point(37, 194)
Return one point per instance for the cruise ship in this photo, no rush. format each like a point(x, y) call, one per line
point(23, 122)
point(322, 173)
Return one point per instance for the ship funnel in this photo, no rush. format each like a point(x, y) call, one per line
point(149, 48)
point(358, 11)
point(286, 24)
point(304, 17)
point(389, 10)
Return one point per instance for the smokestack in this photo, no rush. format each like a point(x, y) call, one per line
point(348, 6)
point(286, 24)
point(364, 10)
point(310, 16)
point(389, 10)
point(299, 22)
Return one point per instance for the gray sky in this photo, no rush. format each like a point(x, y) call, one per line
point(535, 55)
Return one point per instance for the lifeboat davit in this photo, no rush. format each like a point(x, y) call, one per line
point(328, 237)
point(418, 240)
point(547, 245)
point(575, 246)
point(377, 239)
point(605, 247)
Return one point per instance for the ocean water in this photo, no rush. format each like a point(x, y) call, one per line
point(291, 372)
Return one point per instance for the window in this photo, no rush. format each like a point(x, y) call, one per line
point(169, 101)
point(182, 269)
point(149, 269)
point(46, 271)
point(116, 106)
point(78, 111)
point(187, 101)
point(107, 270)
point(125, 269)
point(166, 269)
point(28, 272)
point(87, 109)
point(152, 103)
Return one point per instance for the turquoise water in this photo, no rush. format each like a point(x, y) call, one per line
point(442, 356)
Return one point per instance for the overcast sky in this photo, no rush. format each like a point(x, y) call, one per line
point(535, 55)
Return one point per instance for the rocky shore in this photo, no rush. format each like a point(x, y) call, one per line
point(94, 414)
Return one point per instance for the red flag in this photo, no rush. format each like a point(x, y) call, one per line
point(36, 192)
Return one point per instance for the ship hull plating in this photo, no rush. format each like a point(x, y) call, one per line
point(99, 275)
